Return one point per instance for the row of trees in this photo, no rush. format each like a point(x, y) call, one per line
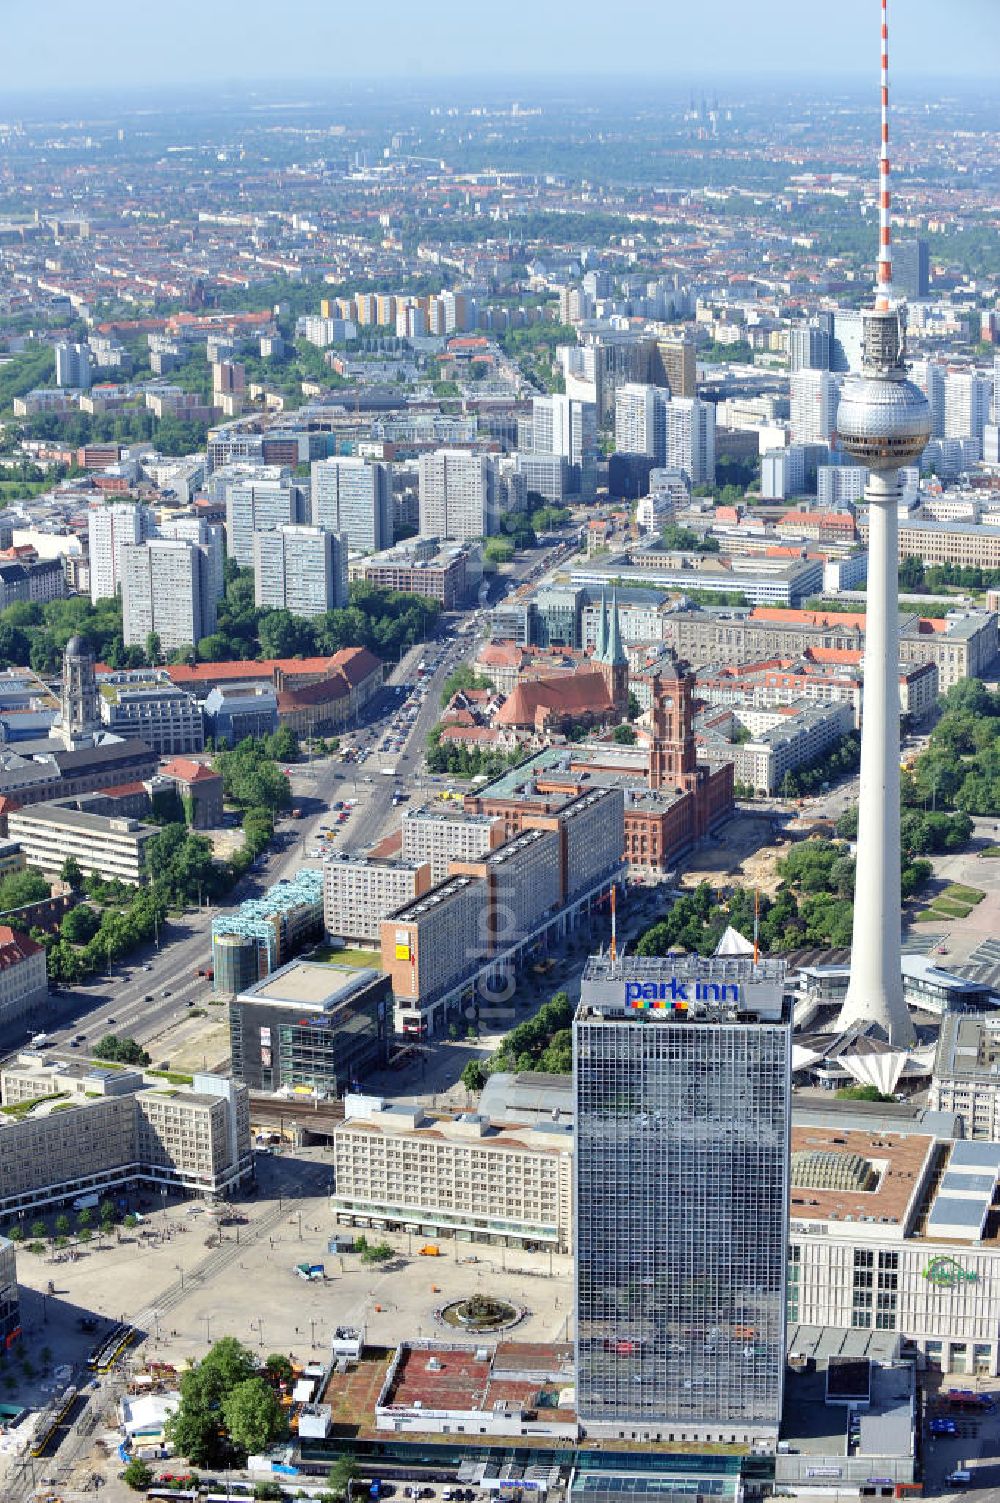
point(385, 621)
point(544, 1042)
point(467, 761)
point(814, 905)
point(961, 767)
point(834, 763)
point(87, 941)
point(914, 574)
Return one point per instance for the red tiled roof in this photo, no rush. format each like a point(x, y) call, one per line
point(15, 947)
point(322, 692)
point(187, 771)
point(582, 693)
point(356, 664)
point(777, 613)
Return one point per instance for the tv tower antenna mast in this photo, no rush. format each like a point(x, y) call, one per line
point(883, 422)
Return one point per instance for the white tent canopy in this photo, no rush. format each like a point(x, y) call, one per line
point(733, 943)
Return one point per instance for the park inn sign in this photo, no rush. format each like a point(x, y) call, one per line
point(946, 1273)
point(675, 993)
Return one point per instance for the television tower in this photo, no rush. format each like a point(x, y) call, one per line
point(883, 422)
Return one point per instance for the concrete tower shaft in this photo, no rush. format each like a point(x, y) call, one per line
point(883, 422)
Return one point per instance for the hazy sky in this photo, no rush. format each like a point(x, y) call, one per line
point(61, 44)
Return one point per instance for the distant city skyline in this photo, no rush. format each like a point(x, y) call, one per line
point(73, 50)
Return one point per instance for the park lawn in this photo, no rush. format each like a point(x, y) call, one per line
point(328, 956)
point(948, 908)
point(962, 894)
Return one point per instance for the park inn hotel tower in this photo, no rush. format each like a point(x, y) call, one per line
point(682, 1077)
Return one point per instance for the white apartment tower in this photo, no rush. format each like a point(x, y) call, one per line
point(641, 420)
point(458, 495)
point(258, 504)
point(208, 535)
point(691, 439)
point(354, 496)
point(110, 528)
point(967, 398)
point(167, 588)
point(73, 366)
point(814, 406)
point(566, 426)
point(300, 569)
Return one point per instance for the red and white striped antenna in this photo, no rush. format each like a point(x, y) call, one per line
point(884, 293)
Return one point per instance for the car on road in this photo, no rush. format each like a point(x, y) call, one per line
point(111, 1021)
point(166, 992)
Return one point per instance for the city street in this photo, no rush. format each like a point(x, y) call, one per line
point(149, 995)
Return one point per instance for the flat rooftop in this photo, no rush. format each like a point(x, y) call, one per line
point(459, 1378)
point(310, 983)
point(899, 1162)
point(815, 1428)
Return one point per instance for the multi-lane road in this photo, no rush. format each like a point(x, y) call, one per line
point(149, 996)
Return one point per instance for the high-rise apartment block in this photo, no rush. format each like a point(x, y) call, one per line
point(73, 366)
point(839, 485)
point(967, 399)
point(930, 377)
point(809, 348)
point(911, 268)
point(441, 839)
point(300, 569)
point(168, 588)
point(691, 439)
point(110, 528)
point(458, 495)
point(815, 394)
point(354, 497)
point(674, 366)
point(259, 503)
point(360, 891)
point(464, 938)
point(566, 426)
point(208, 535)
point(641, 420)
point(682, 1071)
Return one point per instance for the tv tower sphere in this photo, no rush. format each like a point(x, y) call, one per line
point(883, 420)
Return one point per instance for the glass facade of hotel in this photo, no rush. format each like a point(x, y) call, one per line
point(681, 1213)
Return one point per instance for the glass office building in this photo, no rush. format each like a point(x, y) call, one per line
point(683, 1102)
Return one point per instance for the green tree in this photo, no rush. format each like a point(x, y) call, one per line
point(70, 872)
point(21, 888)
point(341, 1474)
point(154, 652)
point(462, 677)
point(278, 1368)
point(474, 1075)
point(80, 924)
point(624, 735)
point(123, 1051)
point(377, 1252)
point(253, 1415)
point(62, 1225)
point(137, 1475)
point(194, 1428)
